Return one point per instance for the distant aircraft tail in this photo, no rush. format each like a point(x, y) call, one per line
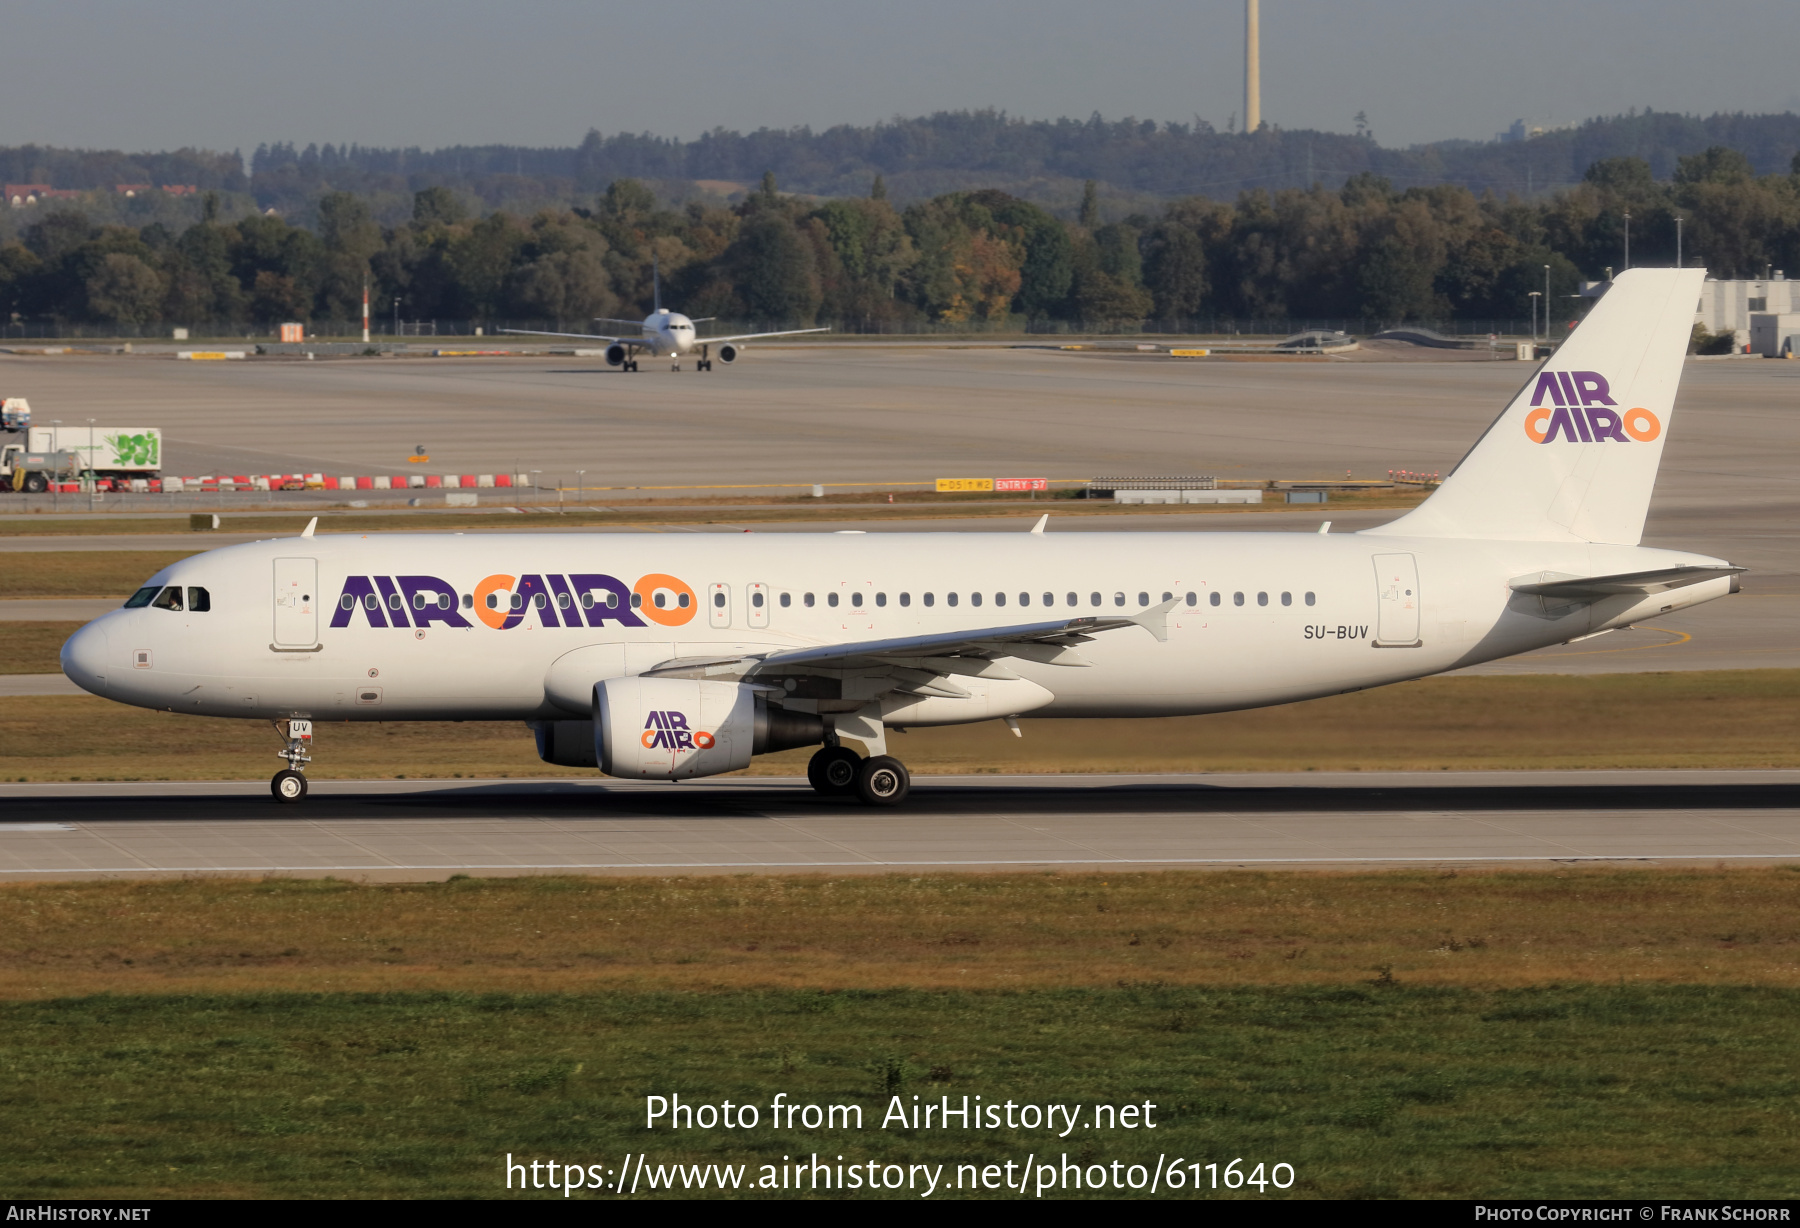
point(1574, 457)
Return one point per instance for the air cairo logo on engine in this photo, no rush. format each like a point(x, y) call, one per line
point(669, 731)
point(1578, 406)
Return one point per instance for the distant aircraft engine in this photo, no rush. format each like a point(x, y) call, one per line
point(730, 353)
point(615, 355)
point(676, 728)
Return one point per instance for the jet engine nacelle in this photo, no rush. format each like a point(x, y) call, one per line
point(616, 355)
point(676, 728)
point(730, 352)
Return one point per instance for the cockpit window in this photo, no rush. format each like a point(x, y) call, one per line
point(141, 598)
point(169, 598)
point(199, 600)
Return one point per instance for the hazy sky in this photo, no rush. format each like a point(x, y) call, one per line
point(135, 75)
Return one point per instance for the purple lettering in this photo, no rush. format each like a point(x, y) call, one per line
point(390, 597)
point(533, 587)
point(677, 720)
point(1607, 425)
point(603, 586)
point(431, 611)
point(362, 595)
point(1569, 397)
point(1547, 385)
point(1563, 422)
point(1591, 386)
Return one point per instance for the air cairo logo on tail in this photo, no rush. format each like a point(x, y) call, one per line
point(1578, 406)
point(669, 730)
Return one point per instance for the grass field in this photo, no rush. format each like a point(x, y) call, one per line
point(1601, 1038)
point(84, 573)
point(1724, 719)
point(33, 647)
point(1476, 930)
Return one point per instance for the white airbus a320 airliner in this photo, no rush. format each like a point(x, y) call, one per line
point(666, 334)
point(659, 657)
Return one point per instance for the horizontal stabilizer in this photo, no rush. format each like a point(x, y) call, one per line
point(1589, 588)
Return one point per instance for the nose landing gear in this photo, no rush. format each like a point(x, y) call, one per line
point(289, 784)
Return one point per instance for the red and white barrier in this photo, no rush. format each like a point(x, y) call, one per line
point(213, 484)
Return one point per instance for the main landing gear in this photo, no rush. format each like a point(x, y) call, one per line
point(289, 784)
point(704, 363)
point(880, 780)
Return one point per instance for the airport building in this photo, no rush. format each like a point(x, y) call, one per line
point(1763, 313)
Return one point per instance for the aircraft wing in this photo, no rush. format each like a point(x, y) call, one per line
point(921, 663)
point(532, 332)
point(1591, 588)
point(792, 332)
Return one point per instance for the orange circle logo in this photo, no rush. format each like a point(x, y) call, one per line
point(1642, 425)
point(1537, 425)
point(704, 740)
point(668, 602)
point(648, 738)
point(493, 618)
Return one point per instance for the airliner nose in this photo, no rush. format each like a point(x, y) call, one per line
point(85, 658)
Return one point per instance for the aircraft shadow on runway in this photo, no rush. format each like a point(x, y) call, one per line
point(935, 800)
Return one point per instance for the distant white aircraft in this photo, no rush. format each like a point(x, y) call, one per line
point(666, 334)
point(664, 657)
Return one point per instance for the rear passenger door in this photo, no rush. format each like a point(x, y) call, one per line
point(296, 603)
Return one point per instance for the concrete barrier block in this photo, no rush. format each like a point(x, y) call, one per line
point(481, 480)
point(462, 499)
point(364, 483)
point(381, 483)
point(432, 481)
point(416, 481)
point(503, 479)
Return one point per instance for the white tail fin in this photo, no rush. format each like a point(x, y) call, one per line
point(1574, 457)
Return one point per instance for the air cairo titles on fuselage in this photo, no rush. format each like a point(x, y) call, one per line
point(502, 602)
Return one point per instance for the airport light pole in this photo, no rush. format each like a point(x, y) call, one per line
point(1678, 221)
point(56, 478)
point(1627, 239)
point(1546, 304)
point(93, 482)
point(1535, 296)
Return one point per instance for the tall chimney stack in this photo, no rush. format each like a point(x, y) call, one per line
point(1252, 70)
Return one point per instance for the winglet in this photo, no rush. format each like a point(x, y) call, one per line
point(1155, 620)
point(1038, 528)
point(1325, 528)
point(310, 526)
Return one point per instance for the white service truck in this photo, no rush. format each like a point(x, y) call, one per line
point(33, 456)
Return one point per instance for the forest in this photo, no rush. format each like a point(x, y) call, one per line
point(982, 258)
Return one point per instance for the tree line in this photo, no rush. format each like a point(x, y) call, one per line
point(978, 258)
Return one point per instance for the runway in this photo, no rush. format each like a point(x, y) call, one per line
point(412, 831)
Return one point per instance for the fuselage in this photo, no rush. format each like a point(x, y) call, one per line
point(490, 627)
point(668, 334)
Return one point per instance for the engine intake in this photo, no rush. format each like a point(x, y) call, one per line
point(616, 355)
point(674, 729)
point(730, 352)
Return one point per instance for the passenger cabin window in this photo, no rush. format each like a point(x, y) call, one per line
point(144, 596)
point(1143, 599)
point(974, 599)
point(637, 601)
point(1287, 599)
point(930, 599)
point(1118, 598)
point(856, 600)
point(1215, 598)
point(718, 601)
point(1309, 599)
point(468, 600)
point(1193, 598)
point(881, 599)
point(905, 600)
point(808, 599)
point(1237, 599)
point(1262, 599)
point(168, 599)
point(346, 602)
point(999, 598)
point(200, 601)
point(831, 599)
point(756, 601)
point(951, 598)
point(1074, 600)
point(1093, 598)
point(787, 599)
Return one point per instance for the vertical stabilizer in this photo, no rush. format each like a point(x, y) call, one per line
point(1574, 457)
